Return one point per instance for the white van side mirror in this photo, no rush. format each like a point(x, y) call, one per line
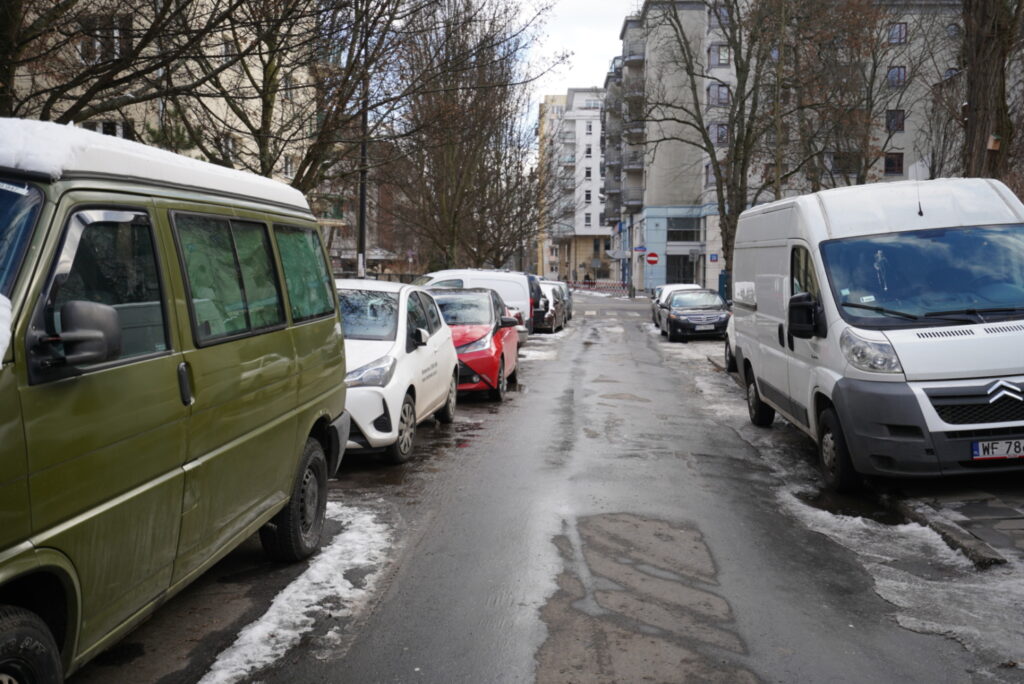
point(806, 318)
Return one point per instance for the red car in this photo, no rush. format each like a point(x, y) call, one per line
point(485, 338)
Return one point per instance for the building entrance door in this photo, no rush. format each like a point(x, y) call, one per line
point(679, 268)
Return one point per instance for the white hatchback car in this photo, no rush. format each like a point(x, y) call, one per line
point(404, 365)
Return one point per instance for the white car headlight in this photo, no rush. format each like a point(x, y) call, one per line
point(479, 345)
point(374, 374)
point(868, 355)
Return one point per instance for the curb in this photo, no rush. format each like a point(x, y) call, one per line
point(980, 553)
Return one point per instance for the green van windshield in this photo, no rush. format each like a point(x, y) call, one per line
point(19, 209)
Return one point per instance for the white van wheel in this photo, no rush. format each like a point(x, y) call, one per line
point(834, 456)
point(761, 414)
point(294, 533)
point(730, 360)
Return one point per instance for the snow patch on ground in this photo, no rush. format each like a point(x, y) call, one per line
point(5, 325)
point(530, 354)
point(321, 591)
point(617, 329)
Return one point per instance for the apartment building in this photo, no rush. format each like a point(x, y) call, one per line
point(661, 200)
point(576, 239)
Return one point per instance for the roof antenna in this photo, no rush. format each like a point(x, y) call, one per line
point(917, 186)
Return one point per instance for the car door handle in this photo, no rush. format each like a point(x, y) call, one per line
point(782, 336)
point(185, 385)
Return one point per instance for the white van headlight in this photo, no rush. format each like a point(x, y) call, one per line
point(868, 355)
point(374, 374)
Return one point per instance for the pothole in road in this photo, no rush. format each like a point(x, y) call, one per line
point(851, 506)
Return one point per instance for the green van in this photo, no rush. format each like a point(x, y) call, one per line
point(172, 382)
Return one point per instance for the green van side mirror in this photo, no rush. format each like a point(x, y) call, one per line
point(90, 333)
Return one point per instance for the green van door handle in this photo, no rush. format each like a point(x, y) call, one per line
point(185, 385)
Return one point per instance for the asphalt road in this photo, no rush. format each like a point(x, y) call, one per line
point(617, 519)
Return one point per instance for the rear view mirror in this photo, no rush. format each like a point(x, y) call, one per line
point(90, 333)
point(420, 336)
point(806, 318)
point(508, 322)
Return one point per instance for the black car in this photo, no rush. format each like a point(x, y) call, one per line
point(694, 313)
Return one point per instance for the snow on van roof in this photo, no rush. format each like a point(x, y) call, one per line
point(57, 150)
point(909, 205)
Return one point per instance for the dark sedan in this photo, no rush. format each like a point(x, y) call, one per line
point(694, 313)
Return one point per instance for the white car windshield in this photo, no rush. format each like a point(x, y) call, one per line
point(369, 315)
point(19, 207)
point(465, 309)
point(938, 276)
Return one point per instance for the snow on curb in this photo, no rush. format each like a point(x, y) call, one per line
point(5, 325)
point(320, 591)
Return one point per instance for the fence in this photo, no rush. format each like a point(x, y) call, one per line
point(609, 287)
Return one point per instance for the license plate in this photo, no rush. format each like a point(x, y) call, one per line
point(703, 327)
point(1001, 448)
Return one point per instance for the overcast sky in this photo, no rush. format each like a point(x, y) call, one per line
point(590, 30)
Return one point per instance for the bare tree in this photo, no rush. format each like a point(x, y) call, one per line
point(71, 60)
point(992, 29)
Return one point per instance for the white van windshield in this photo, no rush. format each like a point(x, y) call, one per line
point(940, 276)
point(19, 207)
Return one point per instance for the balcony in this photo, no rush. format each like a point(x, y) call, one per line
point(612, 158)
point(612, 187)
point(633, 161)
point(567, 184)
point(567, 137)
point(567, 160)
point(635, 129)
point(612, 129)
point(633, 88)
point(612, 209)
point(634, 51)
point(633, 198)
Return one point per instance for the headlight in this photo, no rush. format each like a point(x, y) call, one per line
point(374, 374)
point(724, 317)
point(479, 345)
point(867, 355)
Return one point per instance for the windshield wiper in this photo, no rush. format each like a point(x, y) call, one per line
point(980, 313)
point(905, 314)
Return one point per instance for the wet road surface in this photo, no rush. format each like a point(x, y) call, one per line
point(616, 519)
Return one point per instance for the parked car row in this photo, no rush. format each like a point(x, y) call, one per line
point(413, 349)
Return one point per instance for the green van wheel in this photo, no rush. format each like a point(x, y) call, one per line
point(28, 653)
point(294, 533)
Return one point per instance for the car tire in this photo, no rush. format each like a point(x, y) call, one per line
point(730, 360)
point(498, 393)
point(834, 456)
point(401, 449)
point(761, 414)
point(28, 651)
point(446, 414)
point(294, 533)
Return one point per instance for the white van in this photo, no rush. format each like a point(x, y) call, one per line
point(887, 322)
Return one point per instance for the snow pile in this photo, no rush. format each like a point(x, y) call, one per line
point(5, 325)
point(55, 150)
point(321, 591)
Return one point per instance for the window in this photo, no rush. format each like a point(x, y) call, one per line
point(709, 175)
point(684, 229)
point(718, 94)
point(305, 273)
point(845, 163)
point(898, 33)
point(114, 263)
point(597, 247)
point(19, 205)
point(118, 129)
point(231, 277)
point(586, 196)
point(953, 30)
point(950, 73)
point(105, 38)
point(718, 55)
point(288, 166)
point(718, 15)
point(587, 219)
point(587, 173)
point(417, 317)
point(588, 151)
point(893, 163)
point(368, 315)
point(897, 76)
point(433, 318)
point(719, 133)
point(894, 120)
point(802, 278)
point(590, 127)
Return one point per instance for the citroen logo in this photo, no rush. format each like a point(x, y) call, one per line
point(1006, 389)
